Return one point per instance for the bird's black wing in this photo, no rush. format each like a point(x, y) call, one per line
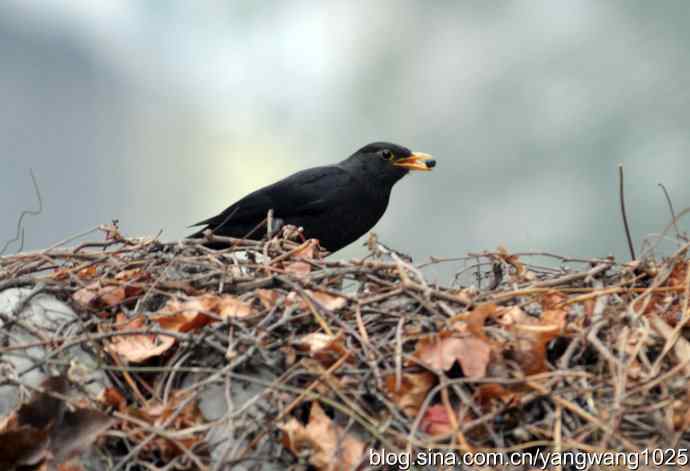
point(308, 192)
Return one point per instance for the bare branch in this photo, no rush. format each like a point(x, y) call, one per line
point(625, 216)
point(19, 237)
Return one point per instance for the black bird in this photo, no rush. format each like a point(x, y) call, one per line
point(335, 204)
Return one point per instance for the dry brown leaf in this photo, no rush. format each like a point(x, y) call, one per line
point(186, 415)
point(76, 432)
point(95, 295)
point(110, 291)
point(477, 318)
point(192, 314)
point(289, 354)
point(113, 398)
point(441, 350)
point(553, 299)
point(111, 295)
point(85, 273)
point(517, 320)
point(533, 334)
point(183, 316)
point(88, 272)
point(309, 249)
point(678, 274)
point(554, 319)
point(486, 394)
point(60, 274)
point(299, 269)
point(139, 347)
point(331, 448)
point(23, 446)
point(436, 421)
point(330, 302)
point(316, 341)
point(73, 465)
point(292, 298)
point(521, 273)
point(413, 390)
point(680, 414)
point(44, 408)
point(157, 412)
point(472, 322)
point(325, 348)
point(530, 350)
point(230, 306)
point(532, 358)
point(134, 274)
point(267, 297)
point(46, 430)
point(513, 315)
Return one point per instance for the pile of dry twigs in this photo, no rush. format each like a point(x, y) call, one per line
point(321, 361)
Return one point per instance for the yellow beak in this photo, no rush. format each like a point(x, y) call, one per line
point(417, 161)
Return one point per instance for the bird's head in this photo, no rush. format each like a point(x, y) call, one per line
point(387, 162)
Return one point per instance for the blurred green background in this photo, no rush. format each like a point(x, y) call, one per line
point(163, 113)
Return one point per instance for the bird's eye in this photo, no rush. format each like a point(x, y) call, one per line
point(386, 154)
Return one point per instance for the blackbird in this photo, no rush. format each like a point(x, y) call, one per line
point(335, 204)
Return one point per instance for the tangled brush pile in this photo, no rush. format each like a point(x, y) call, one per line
point(267, 354)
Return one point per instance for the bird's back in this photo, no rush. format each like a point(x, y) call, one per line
point(328, 202)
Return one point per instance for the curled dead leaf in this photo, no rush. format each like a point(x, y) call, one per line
point(532, 336)
point(267, 297)
point(329, 301)
point(110, 292)
point(325, 348)
point(113, 398)
point(96, 295)
point(330, 447)
point(553, 299)
point(486, 394)
point(473, 321)
point(179, 412)
point(308, 250)
point(60, 274)
point(436, 421)
point(300, 266)
point(299, 269)
point(513, 315)
point(477, 318)
point(134, 274)
point(441, 350)
point(183, 316)
point(194, 313)
point(23, 446)
point(138, 348)
point(88, 272)
point(77, 430)
point(230, 306)
point(521, 272)
point(46, 431)
point(414, 388)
